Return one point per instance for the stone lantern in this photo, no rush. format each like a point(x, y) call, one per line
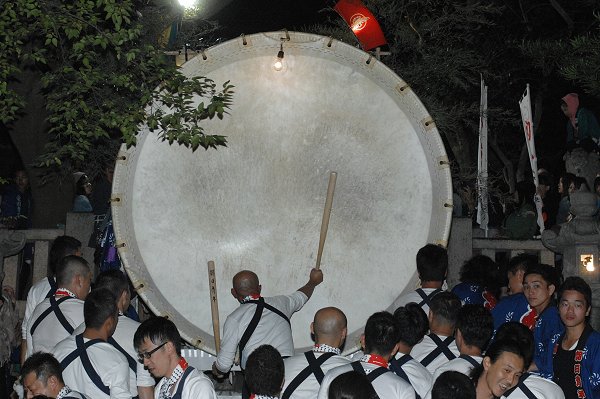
point(578, 241)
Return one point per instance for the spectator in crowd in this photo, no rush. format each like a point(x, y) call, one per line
point(264, 373)
point(432, 268)
point(582, 128)
point(550, 198)
point(412, 325)
point(83, 189)
point(479, 282)
point(521, 224)
point(453, 385)
point(566, 186)
point(16, 206)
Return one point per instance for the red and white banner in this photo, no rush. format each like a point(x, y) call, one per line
point(362, 22)
point(482, 162)
point(527, 119)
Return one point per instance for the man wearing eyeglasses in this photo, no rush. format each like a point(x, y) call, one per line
point(158, 344)
point(90, 364)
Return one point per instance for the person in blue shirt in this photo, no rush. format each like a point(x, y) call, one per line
point(577, 351)
point(478, 276)
point(539, 286)
point(515, 307)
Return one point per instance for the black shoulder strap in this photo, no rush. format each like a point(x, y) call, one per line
point(260, 306)
point(521, 385)
point(179, 391)
point(427, 298)
point(80, 352)
point(59, 315)
point(314, 367)
point(252, 325)
point(470, 359)
point(132, 362)
point(396, 366)
point(53, 287)
point(441, 348)
point(372, 376)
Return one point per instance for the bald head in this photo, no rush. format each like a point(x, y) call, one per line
point(329, 326)
point(246, 283)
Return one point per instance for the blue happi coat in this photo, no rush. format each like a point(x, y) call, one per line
point(590, 365)
point(548, 329)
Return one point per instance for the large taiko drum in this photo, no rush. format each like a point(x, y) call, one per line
point(258, 203)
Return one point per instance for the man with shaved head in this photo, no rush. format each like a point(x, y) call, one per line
point(304, 373)
point(260, 320)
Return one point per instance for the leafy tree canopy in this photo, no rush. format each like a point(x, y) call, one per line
point(99, 73)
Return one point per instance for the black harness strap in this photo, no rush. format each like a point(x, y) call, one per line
point(427, 298)
point(470, 359)
point(80, 352)
point(372, 376)
point(177, 394)
point(260, 306)
point(132, 362)
point(521, 385)
point(396, 366)
point(53, 287)
point(314, 367)
point(442, 347)
point(54, 307)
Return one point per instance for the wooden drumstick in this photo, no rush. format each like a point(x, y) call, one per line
point(326, 214)
point(214, 304)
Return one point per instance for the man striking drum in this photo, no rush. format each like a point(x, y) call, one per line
point(259, 321)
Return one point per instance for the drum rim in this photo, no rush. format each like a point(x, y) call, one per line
point(431, 143)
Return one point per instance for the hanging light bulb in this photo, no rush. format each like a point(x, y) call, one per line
point(278, 64)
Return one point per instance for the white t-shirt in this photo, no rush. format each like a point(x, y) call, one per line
point(36, 295)
point(418, 376)
point(309, 388)
point(459, 364)
point(50, 331)
point(387, 385)
point(123, 335)
point(272, 329)
point(107, 361)
point(413, 296)
point(421, 350)
point(541, 388)
point(195, 386)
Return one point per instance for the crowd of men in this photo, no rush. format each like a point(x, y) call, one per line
point(438, 344)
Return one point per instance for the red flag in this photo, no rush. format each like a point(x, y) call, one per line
point(362, 22)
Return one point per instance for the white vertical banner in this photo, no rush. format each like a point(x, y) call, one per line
point(527, 119)
point(482, 162)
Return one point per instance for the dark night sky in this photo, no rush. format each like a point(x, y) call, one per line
point(252, 16)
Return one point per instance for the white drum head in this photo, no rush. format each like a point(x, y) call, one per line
point(258, 203)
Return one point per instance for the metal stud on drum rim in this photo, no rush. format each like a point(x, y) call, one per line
point(257, 204)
